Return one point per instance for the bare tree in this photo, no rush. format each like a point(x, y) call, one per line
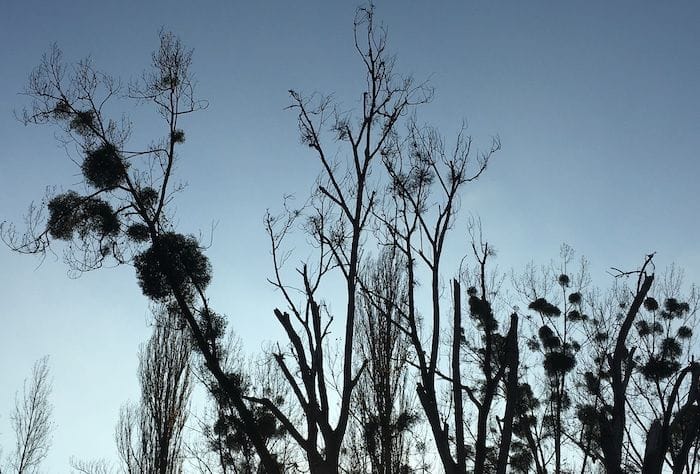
point(604, 418)
point(383, 405)
point(417, 223)
point(149, 436)
point(99, 466)
point(684, 417)
point(337, 221)
point(223, 445)
point(31, 422)
point(555, 295)
point(123, 215)
point(496, 375)
point(621, 366)
point(663, 399)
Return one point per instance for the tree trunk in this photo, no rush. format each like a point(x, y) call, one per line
point(511, 394)
point(457, 378)
point(613, 429)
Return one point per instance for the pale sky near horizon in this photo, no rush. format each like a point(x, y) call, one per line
point(597, 105)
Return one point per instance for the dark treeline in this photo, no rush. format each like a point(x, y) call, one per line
point(426, 371)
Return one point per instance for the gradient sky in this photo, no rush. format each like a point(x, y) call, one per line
point(597, 105)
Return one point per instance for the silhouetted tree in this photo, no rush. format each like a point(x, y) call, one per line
point(633, 378)
point(664, 399)
point(606, 419)
point(526, 454)
point(31, 422)
point(226, 446)
point(417, 223)
point(79, 466)
point(149, 435)
point(556, 297)
point(383, 403)
point(497, 357)
point(337, 221)
point(227, 438)
point(124, 213)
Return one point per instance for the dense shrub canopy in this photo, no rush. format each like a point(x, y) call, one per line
point(70, 213)
point(103, 167)
point(173, 262)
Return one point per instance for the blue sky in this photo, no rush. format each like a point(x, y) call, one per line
point(597, 105)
